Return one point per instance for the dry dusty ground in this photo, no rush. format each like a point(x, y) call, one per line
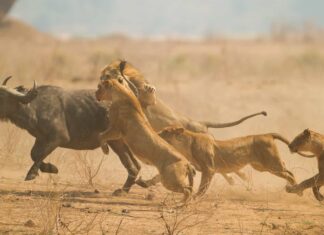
point(50, 207)
point(218, 80)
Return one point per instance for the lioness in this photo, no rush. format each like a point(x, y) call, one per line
point(134, 79)
point(313, 142)
point(157, 112)
point(128, 122)
point(212, 156)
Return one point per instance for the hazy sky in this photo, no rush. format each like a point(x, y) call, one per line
point(185, 18)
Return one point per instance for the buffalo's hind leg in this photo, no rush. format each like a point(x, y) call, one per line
point(39, 152)
point(317, 194)
point(129, 162)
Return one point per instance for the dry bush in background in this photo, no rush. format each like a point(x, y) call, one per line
point(182, 219)
point(88, 166)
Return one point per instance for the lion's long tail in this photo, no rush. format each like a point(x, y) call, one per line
point(229, 124)
point(284, 140)
point(191, 174)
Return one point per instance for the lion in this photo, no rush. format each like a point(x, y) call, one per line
point(159, 114)
point(313, 142)
point(212, 156)
point(134, 78)
point(129, 123)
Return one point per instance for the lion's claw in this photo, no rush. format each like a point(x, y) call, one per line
point(149, 88)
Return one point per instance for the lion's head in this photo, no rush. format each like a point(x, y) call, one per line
point(302, 142)
point(113, 90)
point(122, 70)
point(176, 136)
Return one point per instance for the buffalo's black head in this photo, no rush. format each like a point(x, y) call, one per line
point(10, 98)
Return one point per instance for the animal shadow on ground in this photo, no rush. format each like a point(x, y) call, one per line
point(76, 196)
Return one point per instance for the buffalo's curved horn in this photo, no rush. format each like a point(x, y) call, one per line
point(6, 80)
point(21, 97)
point(131, 85)
point(35, 85)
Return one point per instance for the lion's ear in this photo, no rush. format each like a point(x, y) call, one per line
point(120, 80)
point(307, 132)
point(178, 130)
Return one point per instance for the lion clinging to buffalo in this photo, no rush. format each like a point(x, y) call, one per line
point(128, 123)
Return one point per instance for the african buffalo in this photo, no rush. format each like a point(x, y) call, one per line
point(60, 118)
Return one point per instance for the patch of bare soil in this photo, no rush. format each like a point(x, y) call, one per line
point(46, 207)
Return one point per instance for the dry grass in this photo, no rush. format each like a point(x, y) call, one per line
point(87, 167)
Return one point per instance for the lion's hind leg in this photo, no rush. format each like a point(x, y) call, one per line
point(175, 177)
point(206, 177)
point(229, 179)
point(314, 182)
point(242, 175)
point(269, 160)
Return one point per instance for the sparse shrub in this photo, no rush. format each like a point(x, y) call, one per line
point(88, 167)
point(179, 219)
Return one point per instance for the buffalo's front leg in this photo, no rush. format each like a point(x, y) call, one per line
point(129, 162)
point(39, 152)
point(148, 183)
point(48, 168)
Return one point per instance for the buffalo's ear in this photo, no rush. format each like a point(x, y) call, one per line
point(31, 94)
point(307, 132)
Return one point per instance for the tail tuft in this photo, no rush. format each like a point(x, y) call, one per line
point(264, 113)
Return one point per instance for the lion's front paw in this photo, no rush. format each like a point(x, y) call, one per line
point(149, 88)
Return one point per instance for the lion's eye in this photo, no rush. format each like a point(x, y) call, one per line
point(104, 77)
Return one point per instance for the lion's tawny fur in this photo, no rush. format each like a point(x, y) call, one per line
point(146, 92)
point(212, 156)
point(128, 122)
point(313, 142)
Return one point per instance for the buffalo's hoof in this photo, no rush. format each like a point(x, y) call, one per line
point(319, 197)
point(48, 168)
point(148, 183)
point(119, 192)
point(143, 183)
point(31, 176)
point(293, 189)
